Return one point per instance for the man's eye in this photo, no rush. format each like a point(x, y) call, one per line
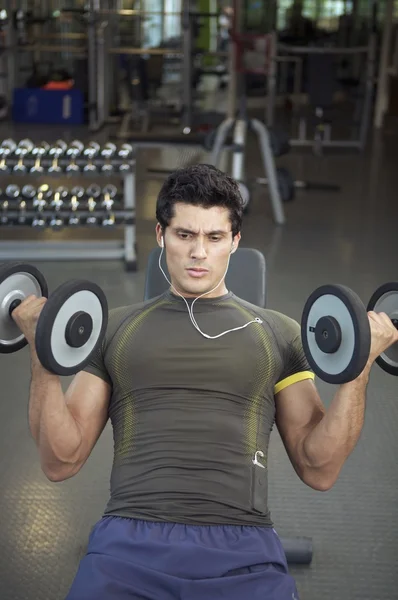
point(215, 238)
point(184, 236)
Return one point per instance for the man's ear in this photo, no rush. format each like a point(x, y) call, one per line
point(159, 235)
point(235, 242)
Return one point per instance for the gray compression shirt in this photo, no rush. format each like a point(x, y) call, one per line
point(190, 414)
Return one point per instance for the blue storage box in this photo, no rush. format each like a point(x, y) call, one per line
point(33, 105)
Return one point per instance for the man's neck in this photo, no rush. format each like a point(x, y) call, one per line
point(217, 293)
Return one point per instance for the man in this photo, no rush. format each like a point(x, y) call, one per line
point(193, 382)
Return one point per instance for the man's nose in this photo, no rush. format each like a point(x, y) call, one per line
point(198, 249)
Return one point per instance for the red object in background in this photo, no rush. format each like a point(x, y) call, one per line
point(59, 85)
point(245, 42)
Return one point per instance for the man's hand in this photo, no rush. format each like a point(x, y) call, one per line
point(26, 316)
point(383, 334)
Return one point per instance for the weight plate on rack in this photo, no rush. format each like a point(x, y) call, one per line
point(385, 299)
point(71, 326)
point(286, 186)
point(17, 282)
point(335, 333)
point(244, 192)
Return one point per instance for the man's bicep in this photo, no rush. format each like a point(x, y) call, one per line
point(298, 409)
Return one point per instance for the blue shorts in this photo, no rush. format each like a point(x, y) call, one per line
point(130, 559)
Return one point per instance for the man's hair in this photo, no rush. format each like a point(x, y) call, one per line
point(200, 185)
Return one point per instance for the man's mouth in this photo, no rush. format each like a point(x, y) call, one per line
point(197, 272)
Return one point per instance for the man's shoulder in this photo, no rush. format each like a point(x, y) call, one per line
point(120, 316)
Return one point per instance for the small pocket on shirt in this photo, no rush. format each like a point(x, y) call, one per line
point(259, 491)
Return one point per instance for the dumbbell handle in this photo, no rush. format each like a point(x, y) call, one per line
point(395, 323)
point(14, 305)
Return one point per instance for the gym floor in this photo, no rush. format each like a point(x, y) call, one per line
point(347, 237)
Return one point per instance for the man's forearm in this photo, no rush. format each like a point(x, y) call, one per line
point(52, 425)
point(330, 442)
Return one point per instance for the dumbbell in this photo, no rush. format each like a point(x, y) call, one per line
point(125, 152)
point(39, 200)
point(7, 148)
point(60, 195)
point(336, 335)
point(28, 192)
point(39, 152)
point(77, 193)
point(92, 219)
point(24, 147)
point(22, 218)
point(93, 192)
point(56, 222)
point(107, 152)
point(71, 325)
point(91, 151)
point(56, 152)
point(44, 192)
point(59, 148)
point(109, 192)
point(74, 150)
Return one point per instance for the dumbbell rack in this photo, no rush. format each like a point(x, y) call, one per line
point(122, 213)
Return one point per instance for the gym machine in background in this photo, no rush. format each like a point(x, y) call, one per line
point(272, 144)
point(322, 83)
point(51, 205)
point(328, 87)
point(104, 42)
point(183, 111)
point(100, 42)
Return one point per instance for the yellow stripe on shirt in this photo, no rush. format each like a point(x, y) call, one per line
point(281, 385)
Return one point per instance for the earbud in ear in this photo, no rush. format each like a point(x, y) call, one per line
point(162, 242)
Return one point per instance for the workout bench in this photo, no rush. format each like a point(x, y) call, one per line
point(246, 278)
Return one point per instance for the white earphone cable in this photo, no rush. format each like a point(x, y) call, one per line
point(190, 308)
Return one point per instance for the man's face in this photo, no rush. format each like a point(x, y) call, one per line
point(198, 243)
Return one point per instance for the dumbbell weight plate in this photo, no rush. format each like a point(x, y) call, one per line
point(110, 189)
point(385, 299)
point(125, 151)
point(285, 182)
point(71, 326)
point(335, 333)
point(12, 190)
point(28, 191)
point(286, 185)
point(244, 192)
point(93, 190)
point(17, 282)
